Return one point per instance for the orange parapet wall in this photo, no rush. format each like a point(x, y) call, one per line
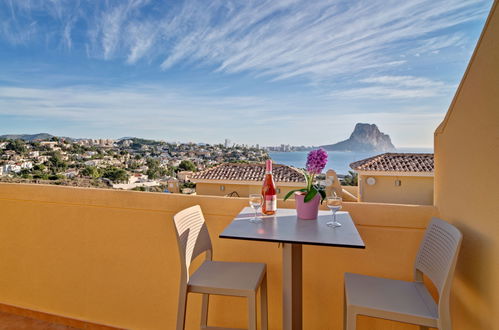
point(109, 257)
point(466, 182)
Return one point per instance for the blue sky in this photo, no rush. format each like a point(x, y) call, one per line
point(268, 72)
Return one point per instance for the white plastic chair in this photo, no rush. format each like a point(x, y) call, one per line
point(410, 302)
point(214, 277)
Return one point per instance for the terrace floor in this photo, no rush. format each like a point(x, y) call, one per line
point(16, 322)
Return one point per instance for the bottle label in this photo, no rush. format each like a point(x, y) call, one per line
point(271, 203)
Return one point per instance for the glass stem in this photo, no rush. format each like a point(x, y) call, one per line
point(334, 216)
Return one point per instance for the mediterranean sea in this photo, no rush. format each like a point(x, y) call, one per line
point(337, 160)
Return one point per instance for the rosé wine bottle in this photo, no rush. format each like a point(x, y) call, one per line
point(269, 206)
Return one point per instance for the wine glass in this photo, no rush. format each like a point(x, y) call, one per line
point(255, 201)
point(334, 204)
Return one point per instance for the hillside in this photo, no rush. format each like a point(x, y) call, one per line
point(27, 137)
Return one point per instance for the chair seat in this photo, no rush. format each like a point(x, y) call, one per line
point(398, 300)
point(227, 278)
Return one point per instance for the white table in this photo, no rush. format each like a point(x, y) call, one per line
point(284, 227)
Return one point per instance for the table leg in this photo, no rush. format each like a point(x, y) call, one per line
point(292, 286)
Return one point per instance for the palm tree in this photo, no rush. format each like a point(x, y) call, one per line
point(351, 179)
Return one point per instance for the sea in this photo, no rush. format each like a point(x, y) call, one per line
point(337, 160)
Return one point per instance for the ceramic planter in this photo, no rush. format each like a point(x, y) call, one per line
point(308, 210)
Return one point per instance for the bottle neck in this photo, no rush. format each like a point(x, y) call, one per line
point(268, 167)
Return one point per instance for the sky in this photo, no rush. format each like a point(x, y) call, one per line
point(265, 72)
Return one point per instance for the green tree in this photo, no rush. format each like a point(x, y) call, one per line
point(115, 174)
point(133, 165)
point(39, 167)
point(56, 162)
point(19, 146)
point(170, 171)
point(25, 173)
point(56, 177)
point(186, 165)
point(91, 171)
point(351, 179)
point(40, 175)
point(153, 171)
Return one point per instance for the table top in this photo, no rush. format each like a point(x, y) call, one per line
point(285, 227)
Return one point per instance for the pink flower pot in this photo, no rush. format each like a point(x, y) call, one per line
point(308, 210)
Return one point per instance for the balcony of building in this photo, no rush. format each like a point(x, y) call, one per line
point(89, 258)
point(110, 257)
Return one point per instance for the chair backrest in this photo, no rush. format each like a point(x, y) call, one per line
point(437, 259)
point(192, 236)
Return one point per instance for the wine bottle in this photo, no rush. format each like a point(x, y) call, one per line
point(269, 206)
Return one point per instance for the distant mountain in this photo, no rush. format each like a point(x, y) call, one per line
point(365, 138)
point(34, 137)
point(27, 137)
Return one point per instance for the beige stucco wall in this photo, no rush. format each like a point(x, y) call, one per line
point(354, 190)
point(413, 190)
point(110, 257)
point(244, 190)
point(466, 183)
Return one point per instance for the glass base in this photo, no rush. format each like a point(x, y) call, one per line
point(255, 220)
point(333, 224)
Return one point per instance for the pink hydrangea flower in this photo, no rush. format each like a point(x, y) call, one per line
point(316, 161)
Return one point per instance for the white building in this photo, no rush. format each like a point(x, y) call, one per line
point(26, 165)
point(11, 168)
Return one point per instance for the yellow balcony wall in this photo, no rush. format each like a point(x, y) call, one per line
point(243, 189)
point(466, 182)
point(110, 257)
point(412, 189)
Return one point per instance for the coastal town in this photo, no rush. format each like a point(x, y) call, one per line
point(128, 163)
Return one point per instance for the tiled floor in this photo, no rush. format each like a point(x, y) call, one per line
point(15, 322)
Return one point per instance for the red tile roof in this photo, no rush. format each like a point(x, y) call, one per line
point(249, 172)
point(397, 162)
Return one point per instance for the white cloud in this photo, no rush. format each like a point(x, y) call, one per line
point(280, 39)
point(153, 111)
point(395, 87)
point(365, 50)
point(137, 107)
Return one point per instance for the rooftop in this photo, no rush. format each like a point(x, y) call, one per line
point(396, 162)
point(249, 172)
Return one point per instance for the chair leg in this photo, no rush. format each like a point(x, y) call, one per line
point(345, 310)
point(252, 311)
point(350, 320)
point(204, 311)
point(182, 304)
point(263, 304)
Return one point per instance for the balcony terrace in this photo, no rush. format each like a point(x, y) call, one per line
point(93, 258)
point(110, 257)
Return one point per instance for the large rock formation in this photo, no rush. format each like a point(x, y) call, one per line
point(365, 138)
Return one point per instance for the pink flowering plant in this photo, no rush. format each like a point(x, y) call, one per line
point(316, 162)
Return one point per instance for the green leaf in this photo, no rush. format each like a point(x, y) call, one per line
point(289, 194)
point(310, 194)
point(307, 177)
point(323, 195)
